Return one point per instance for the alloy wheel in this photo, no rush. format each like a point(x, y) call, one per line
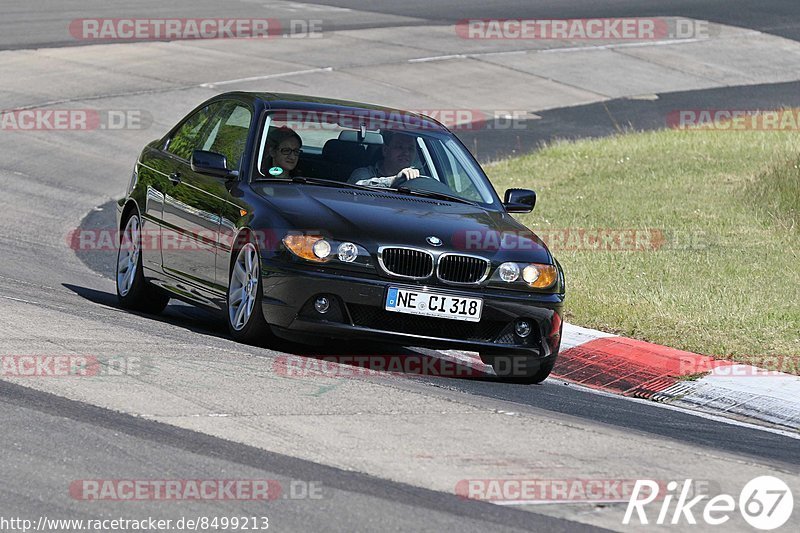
point(128, 258)
point(243, 287)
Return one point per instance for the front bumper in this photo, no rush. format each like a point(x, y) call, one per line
point(357, 312)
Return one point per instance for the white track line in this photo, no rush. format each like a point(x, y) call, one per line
point(557, 50)
point(213, 84)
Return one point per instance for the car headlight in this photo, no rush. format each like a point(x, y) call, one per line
point(519, 275)
point(324, 250)
point(347, 252)
point(321, 249)
point(540, 276)
point(509, 272)
point(310, 247)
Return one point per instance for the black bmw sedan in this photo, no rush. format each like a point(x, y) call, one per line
point(312, 219)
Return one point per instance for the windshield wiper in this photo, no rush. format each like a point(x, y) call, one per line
point(437, 195)
point(319, 181)
point(329, 183)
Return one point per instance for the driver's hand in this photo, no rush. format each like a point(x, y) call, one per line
point(405, 175)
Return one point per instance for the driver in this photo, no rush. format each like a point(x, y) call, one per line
point(284, 147)
point(394, 168)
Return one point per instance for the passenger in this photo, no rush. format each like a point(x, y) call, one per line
point(394, 168)
point(284, 149)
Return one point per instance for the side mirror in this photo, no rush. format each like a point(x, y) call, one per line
point(211, 164)
point(519, 200)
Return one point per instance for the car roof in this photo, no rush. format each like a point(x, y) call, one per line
point(330, 105)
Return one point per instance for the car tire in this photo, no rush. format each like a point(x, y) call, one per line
point(133, 291)
point(244, 312)
point(519, 368)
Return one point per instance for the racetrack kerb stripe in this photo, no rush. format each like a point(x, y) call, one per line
point(627, 366)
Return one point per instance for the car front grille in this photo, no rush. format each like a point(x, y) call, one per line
point(376, 318)
point(462, 268)
point(407, 262)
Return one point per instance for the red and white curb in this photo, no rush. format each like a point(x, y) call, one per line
point(683, 379)
point(639, 369)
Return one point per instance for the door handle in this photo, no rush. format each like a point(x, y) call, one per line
point(175, 178)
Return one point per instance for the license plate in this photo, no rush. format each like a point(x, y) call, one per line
point(433, 304)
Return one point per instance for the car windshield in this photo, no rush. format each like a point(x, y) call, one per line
point(409, 156)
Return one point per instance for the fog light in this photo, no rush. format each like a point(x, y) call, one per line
point(348, 252)
point(322, 305)
point(522, 328)
point(509, 272)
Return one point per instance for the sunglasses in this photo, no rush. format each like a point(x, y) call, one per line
point(287, 151)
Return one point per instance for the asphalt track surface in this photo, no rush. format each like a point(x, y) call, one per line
point(86, 441)
point(137, 449)
point(33, 23)
point(619, 115)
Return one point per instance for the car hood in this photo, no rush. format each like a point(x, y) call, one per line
point(377, 218)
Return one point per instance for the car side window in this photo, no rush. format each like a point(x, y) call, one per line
point(229, 134)
point(192, 134)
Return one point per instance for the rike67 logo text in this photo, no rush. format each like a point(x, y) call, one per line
point(766, 503)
